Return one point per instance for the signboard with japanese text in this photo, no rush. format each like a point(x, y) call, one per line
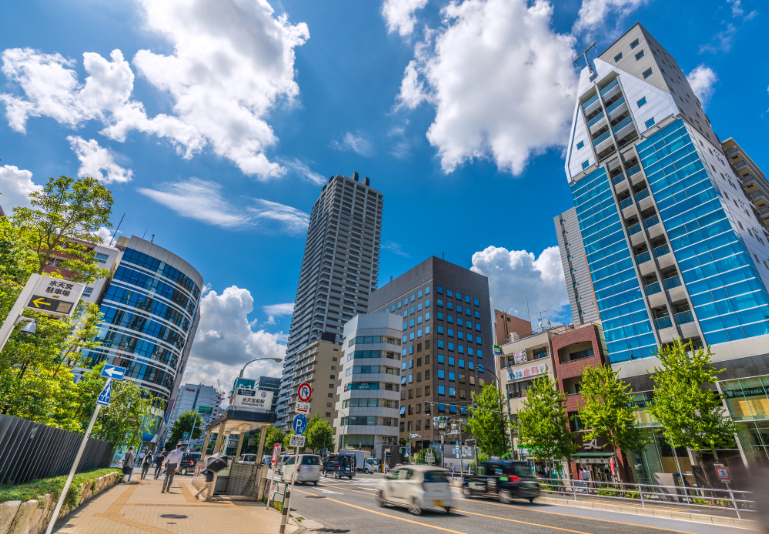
point(527, 372)
point(303, 407)
point(296, 440)
point(519, 357)
point(55, 296)
point(252, 400)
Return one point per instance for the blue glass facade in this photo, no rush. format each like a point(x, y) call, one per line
point(618, 295)
point(730, 300)
point(150, 313)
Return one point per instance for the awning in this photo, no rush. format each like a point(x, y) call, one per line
point(593, 455)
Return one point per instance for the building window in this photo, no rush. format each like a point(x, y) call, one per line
point(650, 123)
point(580, 145)
point(639, 55)
point(634, 44)
point(449, 293)
point(647, 73)
point(441, 390)
point(452, 392)
point(618, 57)
point(441, 373)
point(585, 164)
point(641, 102)
point(440, 343)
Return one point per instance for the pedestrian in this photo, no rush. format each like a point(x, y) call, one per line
point(386, 468)
point(128, 463)
point(159, 463)
point(172, 461)
point(214, 464)
point(453, 470)
point(146, 464)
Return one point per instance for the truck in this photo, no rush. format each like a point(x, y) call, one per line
point(372, 465)
point(360, 457)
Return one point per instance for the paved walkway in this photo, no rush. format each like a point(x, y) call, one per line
point(139, 507)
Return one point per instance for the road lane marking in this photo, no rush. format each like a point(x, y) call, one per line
point(522, 522)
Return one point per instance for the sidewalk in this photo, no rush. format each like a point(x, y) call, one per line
point(139, 507)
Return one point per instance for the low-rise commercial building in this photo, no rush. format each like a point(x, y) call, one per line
point(318, 364)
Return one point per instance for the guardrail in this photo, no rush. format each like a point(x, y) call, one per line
point(695, 497)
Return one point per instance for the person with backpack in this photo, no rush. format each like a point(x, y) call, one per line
point(128, 463)
point(146, 464)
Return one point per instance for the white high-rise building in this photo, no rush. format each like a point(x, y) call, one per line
point(203, 399)
point(340, 268)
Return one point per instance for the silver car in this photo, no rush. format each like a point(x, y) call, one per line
point(417, 487)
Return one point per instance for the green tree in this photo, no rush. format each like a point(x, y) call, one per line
point(184, 424)
point(421, 456)
point(274, 435)
point(320, 434)
point(608, 411)
point(487, 424)
point(542, 423)
point(690, 412)
point(64, 212)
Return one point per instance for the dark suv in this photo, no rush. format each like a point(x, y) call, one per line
point(501, 479)
point(187, 466)
point(339, 465)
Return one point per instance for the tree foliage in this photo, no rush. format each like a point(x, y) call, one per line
point(421, 456)
point(487, 424)
point(320, 434)
point(543, 426)
point(184, 424)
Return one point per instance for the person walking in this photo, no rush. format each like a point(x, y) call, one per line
point(146, 464)
point(128, 463)
point(172, 461)
point(214, 464)
point(159, 457)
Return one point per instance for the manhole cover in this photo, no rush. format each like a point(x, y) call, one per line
point(173, 516)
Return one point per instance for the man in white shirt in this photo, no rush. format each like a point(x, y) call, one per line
point(173, 460)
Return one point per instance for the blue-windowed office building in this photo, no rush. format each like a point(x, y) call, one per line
point(673, 246)
point(151, 313)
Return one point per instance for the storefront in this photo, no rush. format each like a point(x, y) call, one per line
point(747, 400)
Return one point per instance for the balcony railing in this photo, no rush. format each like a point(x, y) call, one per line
point(635, 169)
point(618, 179)
point(632, 230)
point(610, 86)
point(600, 139)
point(590, 102)
point(652, 289)
point(622, 124)
point(661, 250)
point(643, 258)
point(663, 322)
point(614, 106)
point(642, 194)
point(651, 221)
point(673, 281)
point(684, 317)
point(626, 203)
point(595, 119)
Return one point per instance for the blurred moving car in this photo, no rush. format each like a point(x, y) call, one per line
point(307, 468)
point(187, 465)
point(249, 459)
point(416, 486)
point(502, 479)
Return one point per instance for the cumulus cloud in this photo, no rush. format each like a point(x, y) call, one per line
point(500, 79)
point(702, 79)
point(399, 15)
point(279, 310)
point(724, 40)
point(355, 142)
point(203, 200)
point(232, 64)
point(226, 340)
point(518, 275)
point(593, 13)
point(94, 159)
point(15, 187)
point(104, 233)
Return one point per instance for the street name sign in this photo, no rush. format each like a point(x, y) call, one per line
point(304, 392)
point(297, 441)
point(113, 371)
point(105, 395)
point(54, 296)
point(303, 407)
point(300, 424)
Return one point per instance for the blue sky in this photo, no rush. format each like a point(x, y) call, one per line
point(215, 122)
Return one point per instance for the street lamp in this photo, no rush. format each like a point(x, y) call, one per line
point(277, 360)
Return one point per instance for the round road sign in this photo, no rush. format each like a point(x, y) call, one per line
point(304, 392)
point(300, 424)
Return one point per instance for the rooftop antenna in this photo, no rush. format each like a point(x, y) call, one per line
point(145, 232)
point(584, 55)
point(153, 238)
point(540, 317)
point(443, 255)
point(116, 229)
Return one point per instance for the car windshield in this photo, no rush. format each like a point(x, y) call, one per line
point(435, 476)
point(310, 460)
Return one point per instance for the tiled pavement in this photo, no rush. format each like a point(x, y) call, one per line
point(138, 507)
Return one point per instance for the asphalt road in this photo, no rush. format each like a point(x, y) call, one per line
point(350, 506)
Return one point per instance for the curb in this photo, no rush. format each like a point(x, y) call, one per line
point(655, 512)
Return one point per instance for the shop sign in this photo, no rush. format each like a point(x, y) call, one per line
point(519, 357)
point(252, 400)
point(604, 461)
point(745, 392)
point(528, 372)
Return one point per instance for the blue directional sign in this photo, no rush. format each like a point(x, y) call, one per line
point(300, 424)
point(113, 371)
point(105, 394)
point(186, 435)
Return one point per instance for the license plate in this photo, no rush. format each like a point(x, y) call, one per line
point(439, 504)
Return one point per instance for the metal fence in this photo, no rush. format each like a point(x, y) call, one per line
point(31, 451)
point(643, 494)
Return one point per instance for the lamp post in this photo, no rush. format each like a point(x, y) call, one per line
point(277, 360)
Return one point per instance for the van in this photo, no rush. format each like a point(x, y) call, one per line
point(307, 468)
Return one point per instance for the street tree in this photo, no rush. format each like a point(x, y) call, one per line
point(421, 456)
point(687, 405)
point(274, 435)
point(184, 424)
point(320, 434)
point(487, 423)
point(542, 424)
point(608, 411)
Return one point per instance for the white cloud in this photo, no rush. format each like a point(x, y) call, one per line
point(500, 79)
point(518, 275)
point(203, 200)
point(279, 310)
point(399, 15)
point(104, 233)
point(304, 171)
point(395, 248)
point(95, 159)
point(702, 79)
point(593, 13)
point(724, 40)
point(225, 341)
point(15, 187)
point(355, 142)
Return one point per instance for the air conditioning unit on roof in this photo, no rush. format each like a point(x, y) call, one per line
point(514, 337)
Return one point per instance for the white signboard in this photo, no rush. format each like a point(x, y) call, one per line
point(527, 372)
point(252, 400)
point(519, 357)
point(55, 296)
point(303, 407)
point(296, 441)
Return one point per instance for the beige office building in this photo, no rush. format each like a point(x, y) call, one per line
point(319, 365)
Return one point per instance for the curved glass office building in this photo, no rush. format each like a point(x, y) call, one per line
point(151, 313)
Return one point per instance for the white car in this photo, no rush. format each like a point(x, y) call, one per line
point(308, 469)
point(249, 459)
point(416, 486)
